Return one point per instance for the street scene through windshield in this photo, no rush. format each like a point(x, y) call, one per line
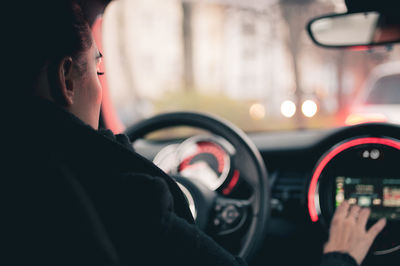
point(250, 62)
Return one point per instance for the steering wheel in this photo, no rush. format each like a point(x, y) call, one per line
point(248, 215)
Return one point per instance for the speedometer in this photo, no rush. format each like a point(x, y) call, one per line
point(207, 159)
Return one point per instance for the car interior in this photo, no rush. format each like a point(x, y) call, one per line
point(244, 104)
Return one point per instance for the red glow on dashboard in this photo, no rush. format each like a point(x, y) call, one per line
point(355, 119)
point(321, 166)
point(232, 183)
point(360, 48)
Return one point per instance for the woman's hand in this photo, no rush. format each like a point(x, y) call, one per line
point(348, 234)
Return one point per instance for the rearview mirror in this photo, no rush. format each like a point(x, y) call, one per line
point(354, 29)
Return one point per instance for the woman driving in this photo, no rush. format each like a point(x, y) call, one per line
point(77, 195)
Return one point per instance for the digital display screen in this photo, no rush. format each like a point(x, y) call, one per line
point(382, 195)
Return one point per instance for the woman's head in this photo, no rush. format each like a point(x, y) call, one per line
point(63, 59)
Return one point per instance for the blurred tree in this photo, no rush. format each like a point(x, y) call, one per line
point(296, 16)
point(125, 49)
point(187, 10)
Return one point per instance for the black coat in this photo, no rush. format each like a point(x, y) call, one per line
point(73, 196)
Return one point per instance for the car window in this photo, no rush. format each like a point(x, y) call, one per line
point(250, 62)
point(385, 91)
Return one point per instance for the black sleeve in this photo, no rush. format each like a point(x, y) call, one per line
point(337, 259)
point(138, 212)
point(188, 245)
point(182, 243)
point(48, 219)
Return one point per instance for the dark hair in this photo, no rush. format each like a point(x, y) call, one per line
point(385, 6)
point(49, 30)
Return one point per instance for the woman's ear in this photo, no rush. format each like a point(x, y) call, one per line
point(65, 80)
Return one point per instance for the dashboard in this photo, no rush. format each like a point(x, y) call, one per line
point(310, 173)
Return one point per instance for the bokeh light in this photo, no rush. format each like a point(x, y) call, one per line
point(309, 108)
point(257, 111)
point(288, 108)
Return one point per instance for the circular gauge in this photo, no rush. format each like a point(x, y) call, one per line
point(364, 171)
point(207, 159)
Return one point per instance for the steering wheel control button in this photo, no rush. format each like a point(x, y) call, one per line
point(218, 207)
point(217, 222)
point(230, 214)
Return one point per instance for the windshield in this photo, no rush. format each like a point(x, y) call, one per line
point(250, 62)
point(386, 91)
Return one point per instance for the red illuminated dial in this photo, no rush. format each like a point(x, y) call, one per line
point(204, 159)
point(313, 193)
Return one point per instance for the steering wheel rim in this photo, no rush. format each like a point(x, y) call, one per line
point(261, 207)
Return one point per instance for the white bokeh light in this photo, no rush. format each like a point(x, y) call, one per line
point(309, 108)
point(288, 109)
